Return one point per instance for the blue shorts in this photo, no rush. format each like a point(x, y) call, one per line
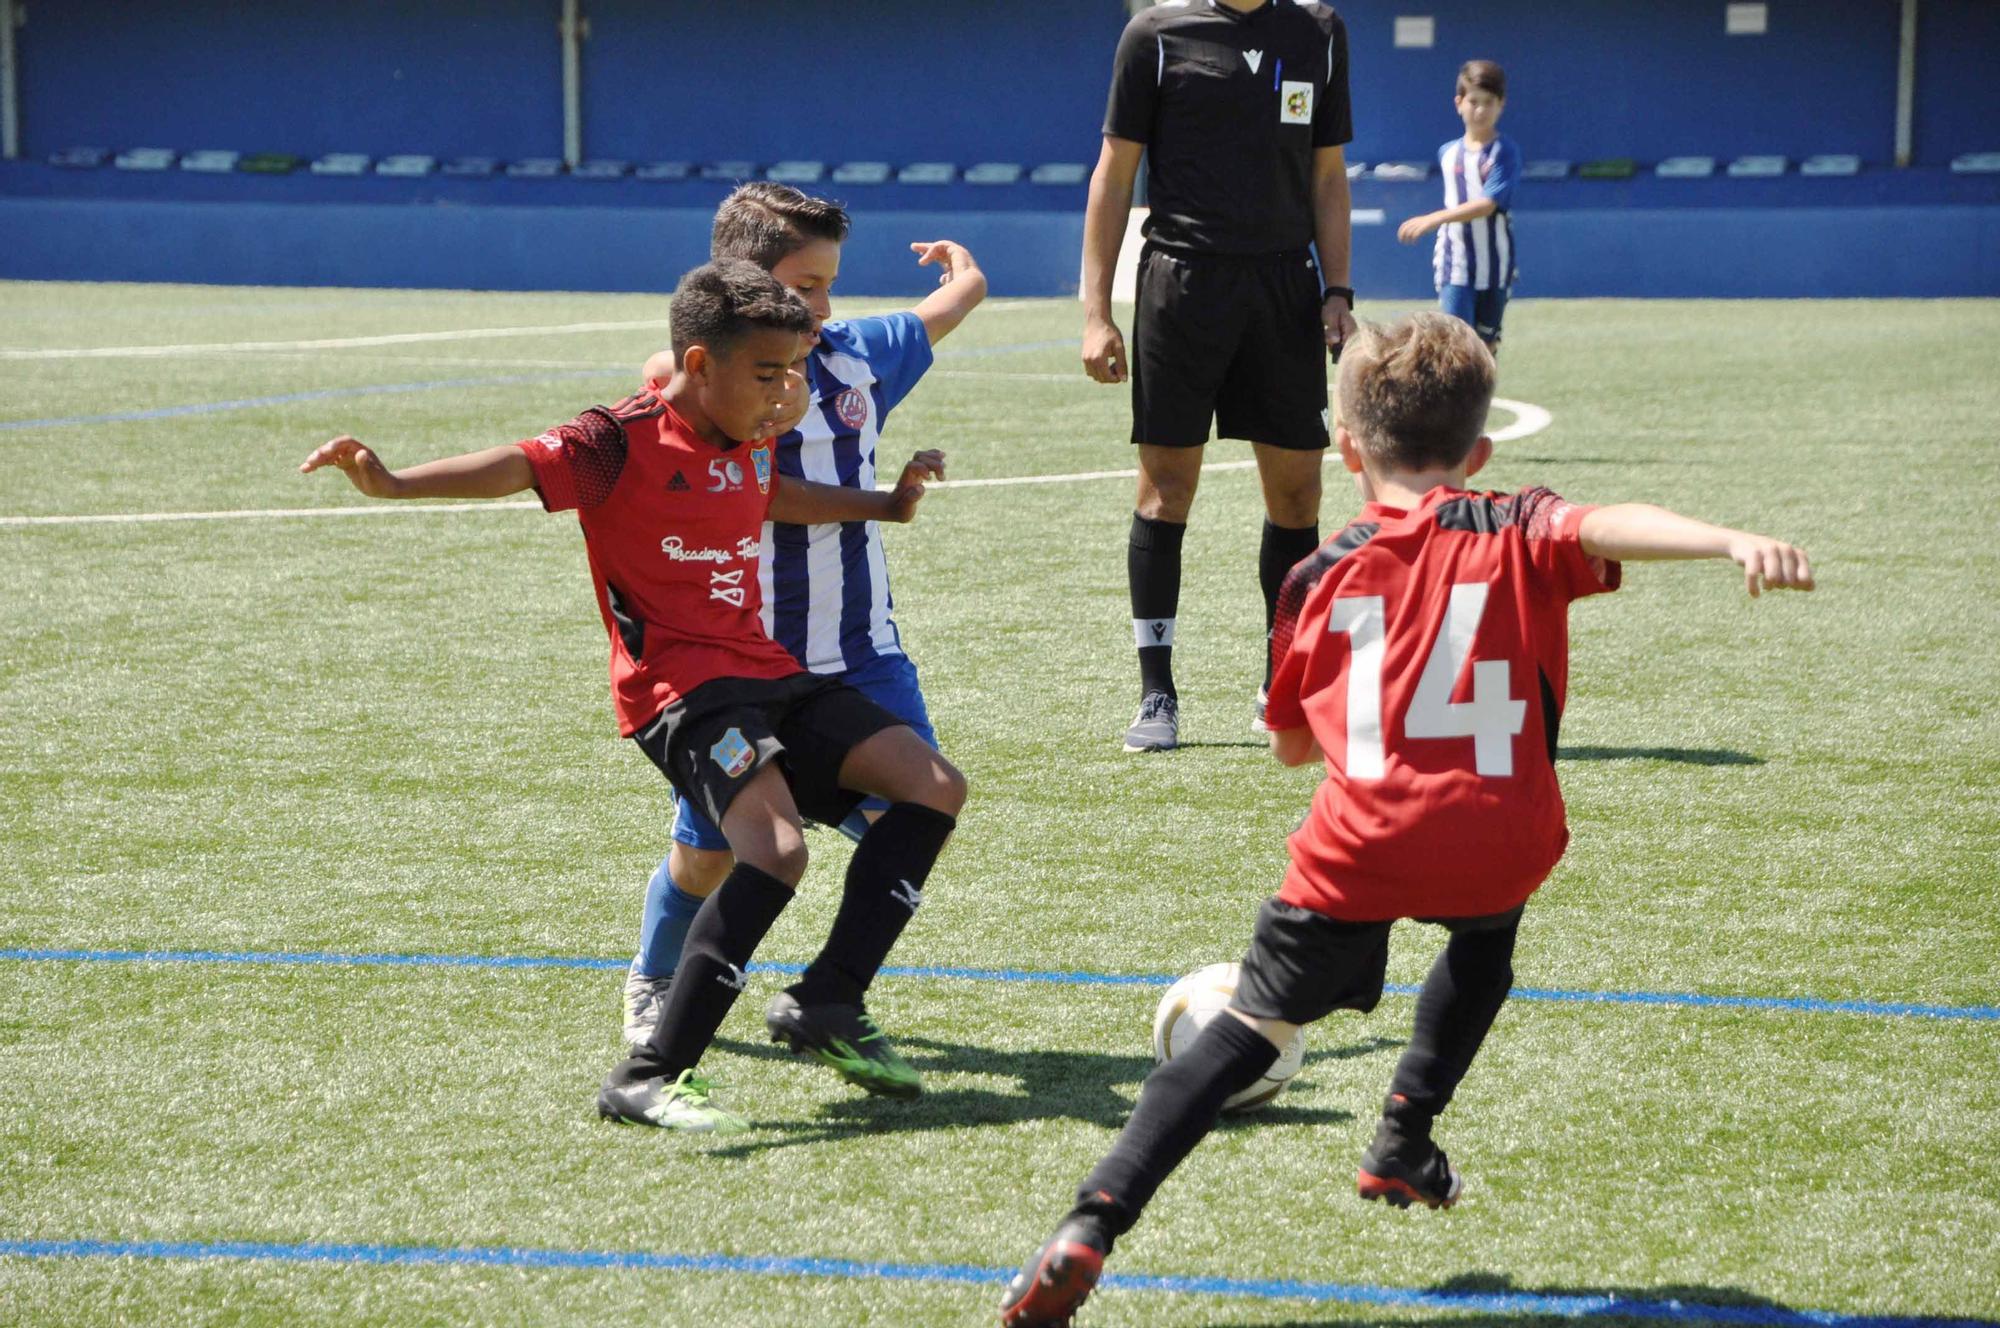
point(890, 681)
point(1481, 308)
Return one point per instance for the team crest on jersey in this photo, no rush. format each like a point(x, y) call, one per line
point(732, 753)
point(852, 407)
point(1295, 103)
point(760, 461)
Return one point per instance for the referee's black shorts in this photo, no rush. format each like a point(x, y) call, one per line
point(1233, 339)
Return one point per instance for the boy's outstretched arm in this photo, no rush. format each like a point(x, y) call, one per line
point(493, 473)
point(1640, 531)
point(961, 286)
point(805, 503)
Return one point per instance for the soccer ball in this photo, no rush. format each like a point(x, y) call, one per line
point(1186, 1009)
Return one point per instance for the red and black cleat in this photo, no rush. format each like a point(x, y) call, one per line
point(1396, 1179)
point(1047, 1292)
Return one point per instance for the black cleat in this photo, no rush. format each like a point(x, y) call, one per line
point(1413, 1173)
point(1048, 1290)
point(845, 1037)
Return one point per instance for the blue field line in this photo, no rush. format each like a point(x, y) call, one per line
point(287, 398)
point(1053, 977)
point(1561, 1304)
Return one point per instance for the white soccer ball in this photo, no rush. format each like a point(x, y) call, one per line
point(1186, 1009)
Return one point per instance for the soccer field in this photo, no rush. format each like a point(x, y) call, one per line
point(323, 858)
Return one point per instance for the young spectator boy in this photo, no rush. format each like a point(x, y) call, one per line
point(1424, 652)
point(825, 587)
point(1473, 263)
point(672, 489)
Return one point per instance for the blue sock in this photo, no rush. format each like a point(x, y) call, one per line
point(663, 931)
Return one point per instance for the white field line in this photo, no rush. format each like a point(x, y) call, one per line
point(1529, 419)
point(326, 343)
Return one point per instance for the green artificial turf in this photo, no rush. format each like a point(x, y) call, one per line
point(389, 733)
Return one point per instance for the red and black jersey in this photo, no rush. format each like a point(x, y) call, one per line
point(1428, 651)
point(672, 525)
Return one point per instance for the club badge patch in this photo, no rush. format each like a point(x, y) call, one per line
point(760, 461)
point(852, 407)
point(1295, 103)
point(732, 753)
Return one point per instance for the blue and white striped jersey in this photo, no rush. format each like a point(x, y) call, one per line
point(1478, 253)
point(826, 587)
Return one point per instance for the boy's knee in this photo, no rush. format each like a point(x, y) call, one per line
point(941, 787)
point(779, 849)
point(698, 871)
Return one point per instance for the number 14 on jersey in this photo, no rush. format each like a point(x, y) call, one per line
point(1491, 718)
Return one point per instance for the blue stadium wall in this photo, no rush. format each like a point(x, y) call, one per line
point(970, 81)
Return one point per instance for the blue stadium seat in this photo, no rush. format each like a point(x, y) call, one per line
point(993, 172)
point(602, 168)
point(406, 164)
point(729, 171)
point(211, 161)
point(796, 172)
point(861, 172)
point(1685, 168)
point(1831, 163)
point(1550, 169)
point(1976, 163)
point(665, 170)
point(927, 172)
point(535, 168)
point(1402, 171)
point(471, 167)
point(145, 159)
point(342, 163)
point(1758, 168)
point(81, 159)
point(1060, 172)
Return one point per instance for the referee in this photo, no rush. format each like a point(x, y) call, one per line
point(1240, 110)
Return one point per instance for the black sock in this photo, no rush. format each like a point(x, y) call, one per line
point(1153, 569)
point(1463, 992)
point(1177, 1107)
point(1281, 551)
point(720, 941)
point(885, 884)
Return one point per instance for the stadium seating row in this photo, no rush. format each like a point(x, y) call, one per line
point(216, 161)
point(1674, 168)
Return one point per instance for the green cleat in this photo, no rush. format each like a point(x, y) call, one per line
point(847, 1038)
point(684, 1105)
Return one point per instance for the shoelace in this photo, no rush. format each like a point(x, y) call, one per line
point(874, 1033)
point(1156, 705)
point(692, 1088)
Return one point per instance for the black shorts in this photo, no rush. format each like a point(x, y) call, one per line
point(711, 742)
point(1302, 965)
point(1233, 339)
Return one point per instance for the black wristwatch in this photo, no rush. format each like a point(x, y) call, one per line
point(1344, 292)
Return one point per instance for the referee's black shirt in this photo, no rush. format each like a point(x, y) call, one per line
point(1231, 107)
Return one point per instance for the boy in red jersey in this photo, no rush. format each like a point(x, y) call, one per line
point(672, 489)
point(1422, 653)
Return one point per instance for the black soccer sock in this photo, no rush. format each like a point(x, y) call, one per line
point(1282, 549)
point(1177, 1107)
point(1463, 992)
point(1153, 569)
point(720, 941)
point(885, 884)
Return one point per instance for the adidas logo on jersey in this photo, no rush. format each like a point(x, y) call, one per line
point(678, 484)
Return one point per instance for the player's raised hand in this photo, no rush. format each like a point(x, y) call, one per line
point(1104, 351)
point(1770, 564)
point(947, 254)
point(361, 466)
point(909, 490)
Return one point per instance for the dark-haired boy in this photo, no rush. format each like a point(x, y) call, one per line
point(1424, 652)
point(825, 586)
point(1473, 261)
point(672, 488)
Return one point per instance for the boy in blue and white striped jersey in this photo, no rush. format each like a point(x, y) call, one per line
point(826, 587)
point(1474, 259)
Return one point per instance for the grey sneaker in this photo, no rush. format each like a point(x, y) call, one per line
point(685, 1104)
point(1157, 726)
point(644, 999)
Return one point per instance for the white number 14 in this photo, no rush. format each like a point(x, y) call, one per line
point(1491, 718)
